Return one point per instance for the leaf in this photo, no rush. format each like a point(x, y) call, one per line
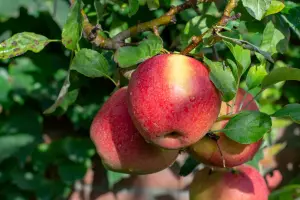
point(153, 4)
point(188, 167)
point(64, 96)
point(129, 56)
point(275, 36)
point(223, 79)
point(92, 64)
point(257, 8)
point(275, 7)
point(72, 30)
point(20, 43)
point(292, 17)
point(241, 55)
point(133, 7)
point(256, 75)
point(254, 162)
point(70, 172)
point(291, 111)
point(281, 74)
point(289, 192)
point(248, 126)
point(100, 9)
point(11, 144)
point(115, 177)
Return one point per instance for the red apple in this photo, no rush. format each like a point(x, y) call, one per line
point(119, 143)
point(245, 183)
point(172, 101)
point(234, 154)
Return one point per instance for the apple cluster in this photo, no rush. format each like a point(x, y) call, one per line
point(170, 104)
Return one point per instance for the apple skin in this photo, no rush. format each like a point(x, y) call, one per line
point(245, 183)
point(234, 153)
point(119, 143)
point(172, 101)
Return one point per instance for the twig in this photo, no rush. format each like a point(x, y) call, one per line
point(217, 28)
point(118, 40)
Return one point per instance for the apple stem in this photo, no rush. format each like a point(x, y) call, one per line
point(215, 137)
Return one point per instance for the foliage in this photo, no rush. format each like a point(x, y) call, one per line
point(53, 80)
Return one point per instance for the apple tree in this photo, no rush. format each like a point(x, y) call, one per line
point(135, 83)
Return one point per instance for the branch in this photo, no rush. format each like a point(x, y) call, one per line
point(196, 40)
point(91, 33)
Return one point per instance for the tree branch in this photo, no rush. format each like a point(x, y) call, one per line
point(196, 40)
point(91, 34)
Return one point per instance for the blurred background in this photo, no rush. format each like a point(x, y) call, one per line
point(52, 157)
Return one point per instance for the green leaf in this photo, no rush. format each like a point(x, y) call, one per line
point(248, 126)
point(129, 56)
point(115, 177)
point(70, 172)
point(11, 144)
point(72, 30)
point(241, 55)
point(223, 79)
point(20, 43)
point(275, 36)
point(256, 75)
point(291, 111)
point(133, 7)
point(64, 96)
point(188, 167)
point(275, 7)
point(92, 64)
point(257, 8)
point(281, 74)
point(289, 192)
point(292, 17)
point(100, 9)
point(153, 4)
point(4, 85)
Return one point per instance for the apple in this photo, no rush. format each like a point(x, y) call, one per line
point(234, 153)
point(119, 143)
point(172, 101)
point(244, 183)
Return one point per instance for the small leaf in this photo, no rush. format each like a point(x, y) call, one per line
point(281, 74)
point(153, 4)
point(257, 8)
point(188, 167)
point(92, 64)
point(133, 7)
point(275, 36)
point(115, 177)
point(72, 30)
point(223, 79)
point(100, 9)
point(11, 144)
point(129, 56)
point(254, 162)
point(275, 7)
point(241, 55)
point(291, 111)
point(255, 75)
point(22, 42)
point(248, 126)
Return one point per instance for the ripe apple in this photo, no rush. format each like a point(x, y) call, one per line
point(234, 154)
point(119, 143)
point(172, 101)
point(223, 184)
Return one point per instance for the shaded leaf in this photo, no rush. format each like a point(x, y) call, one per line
point(20, 43)
point(248, 126)
point(70, 172)
point(153, 4)
point(133, 7)
point(256, 75)
point(257, 8)
point(291, 111)
point(11, 144)
point(281, 74)
point(188, 167)
point(223, 79)
point(72, 30)
point(292, 17)
point(129, 56)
